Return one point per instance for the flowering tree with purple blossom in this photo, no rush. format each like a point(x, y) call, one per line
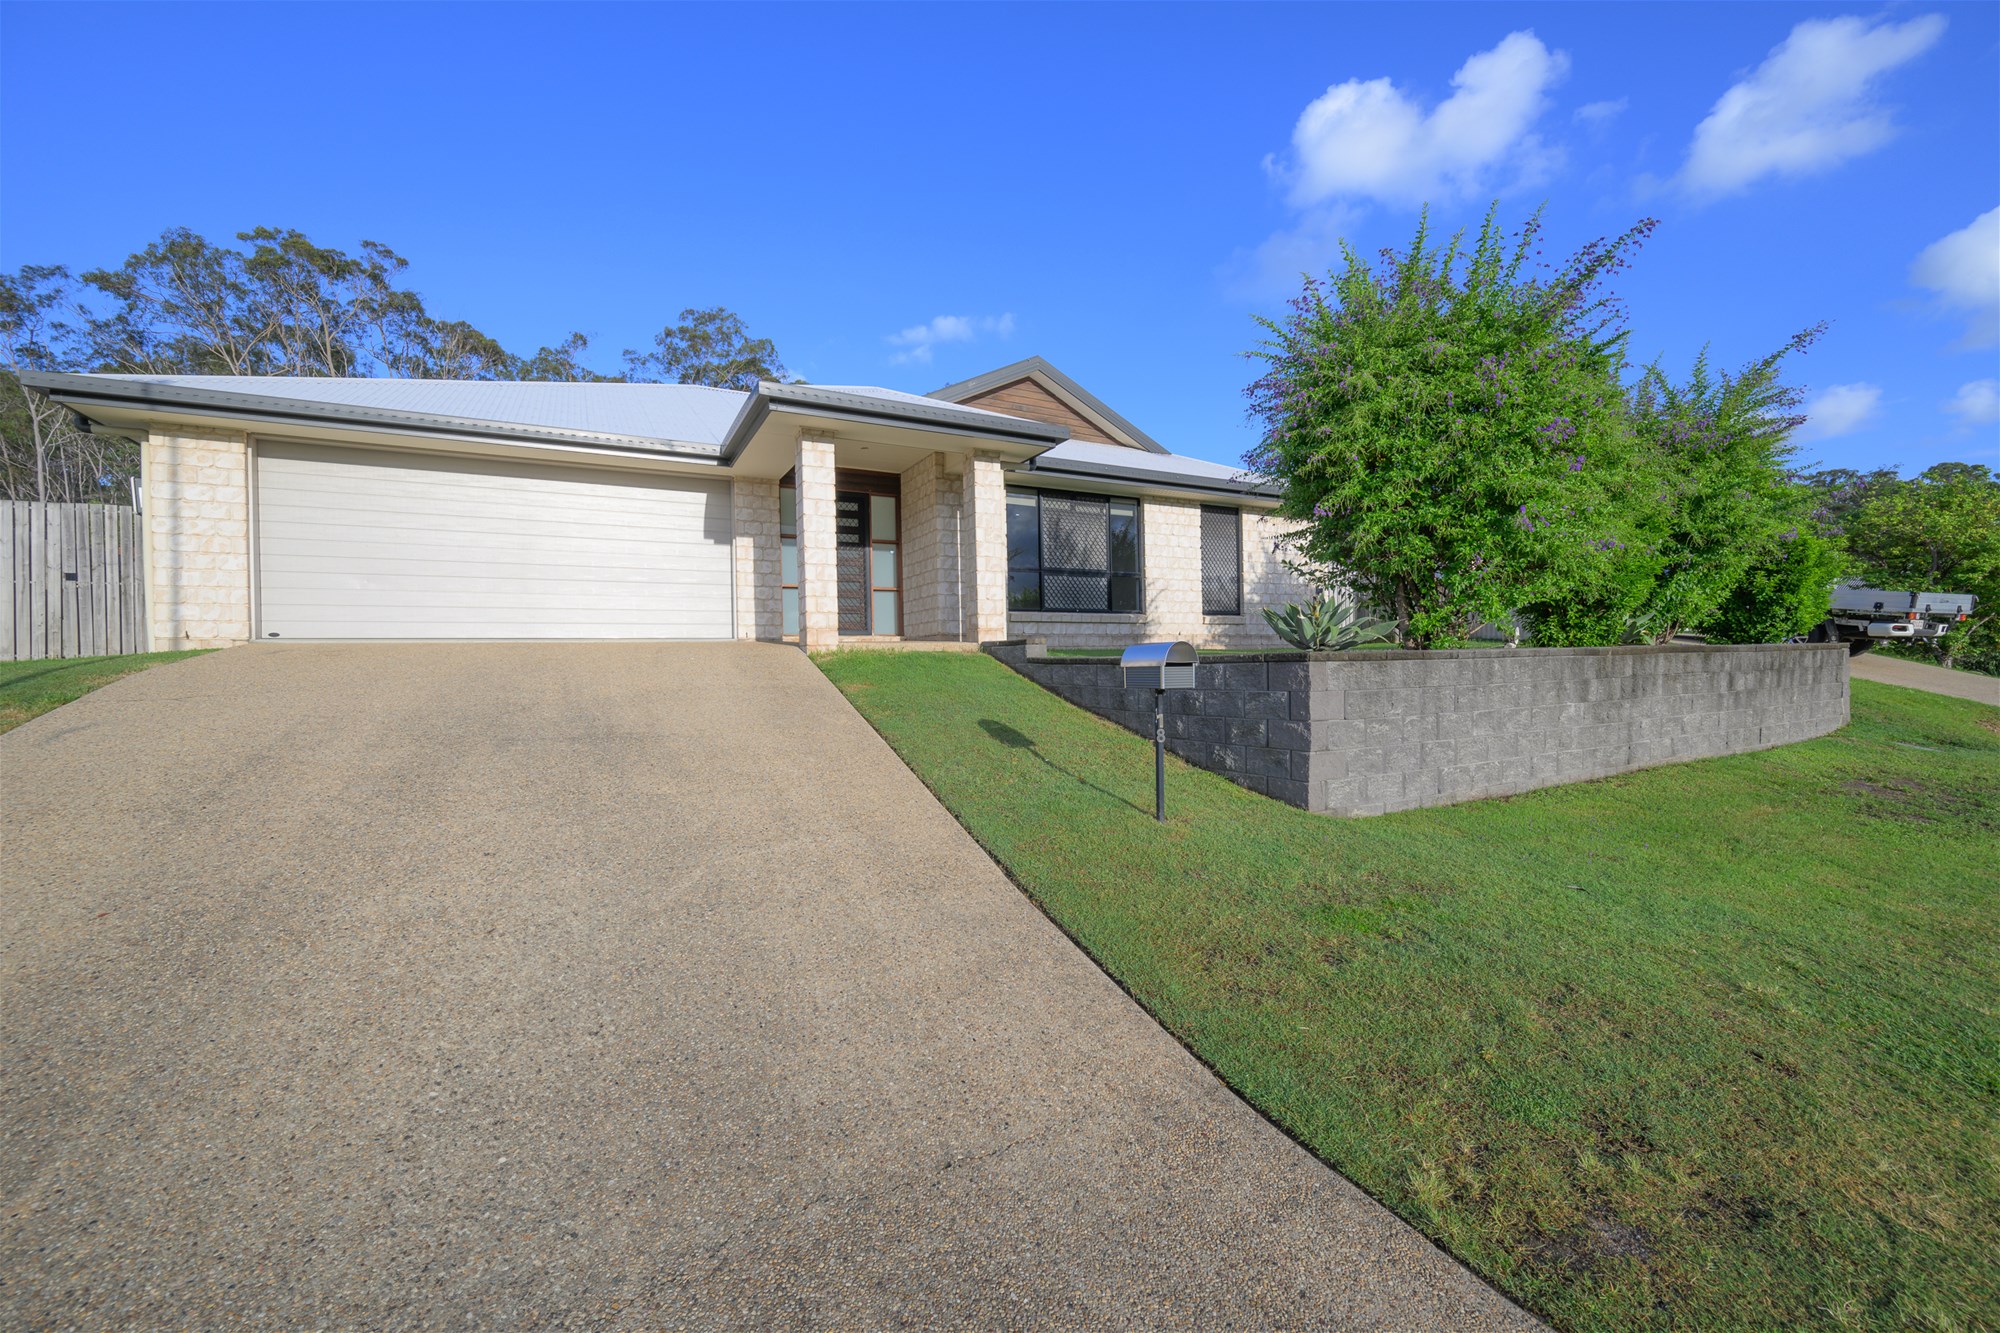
point(1450, 429)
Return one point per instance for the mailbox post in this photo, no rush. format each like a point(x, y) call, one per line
point(1159, 667)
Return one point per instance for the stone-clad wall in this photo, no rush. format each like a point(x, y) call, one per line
point(931, 577)
point(1368, 732)
point(197, 549)
point(760, 610)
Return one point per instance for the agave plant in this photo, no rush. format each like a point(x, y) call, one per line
point(1326, 625)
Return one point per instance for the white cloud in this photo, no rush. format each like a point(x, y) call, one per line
point(1597, 114)
point(1964, 270)
point(915, 343)
point(1372, 140)
point(1839, 409)
point(1977, 403)
point(1808, 107)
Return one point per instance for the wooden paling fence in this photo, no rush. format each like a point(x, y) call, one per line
point(72, 581)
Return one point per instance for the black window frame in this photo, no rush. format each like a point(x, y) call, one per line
point(1114, 578)
point(1236, 554)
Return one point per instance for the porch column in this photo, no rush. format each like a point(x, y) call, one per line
point(986, 535)
point(819, 561)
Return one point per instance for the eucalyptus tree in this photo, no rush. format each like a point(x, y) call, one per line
point(711, 347)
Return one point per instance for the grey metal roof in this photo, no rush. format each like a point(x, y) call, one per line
point(684, 419)
point(1115, 462)
point(686, 413)
point(1035, 365)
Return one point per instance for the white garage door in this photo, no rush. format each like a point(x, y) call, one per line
point(366, 544)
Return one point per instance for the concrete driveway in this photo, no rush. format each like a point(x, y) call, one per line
point(590, 986)
point(1923, 676)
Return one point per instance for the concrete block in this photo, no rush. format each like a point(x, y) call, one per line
point(1267, 703)
point(1212, 730)
point(1291, 792)
point(1234, 675)
point(1289, 676)
point(1247, 731)
point(1290, 735)
point(1261, 761)
point(1341, 793)
point(1366, 760)
point(1379, 731)
point(1402, 758)
point(1454, 726)
point(1370, 704)
point(1382, 787)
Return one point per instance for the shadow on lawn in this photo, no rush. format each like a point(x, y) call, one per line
point(66, 664)
point(1015, 740)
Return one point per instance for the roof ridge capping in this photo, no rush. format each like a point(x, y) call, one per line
point(1036, 367)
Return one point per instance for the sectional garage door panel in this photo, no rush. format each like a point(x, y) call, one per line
point(361, 544)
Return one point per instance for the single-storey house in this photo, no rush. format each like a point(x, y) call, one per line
point(1010, 505)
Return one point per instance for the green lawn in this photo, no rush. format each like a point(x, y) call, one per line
point(1253, 652)
point(1711, 1046)
point(29, 689)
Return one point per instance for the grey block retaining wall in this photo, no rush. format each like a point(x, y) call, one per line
point(1363, 733)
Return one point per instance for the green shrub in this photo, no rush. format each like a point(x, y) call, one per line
point(1780, 596)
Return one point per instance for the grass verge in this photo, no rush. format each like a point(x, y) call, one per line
point(29, 689)
point(1714, 1045)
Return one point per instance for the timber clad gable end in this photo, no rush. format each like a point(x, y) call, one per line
point(1025, 398)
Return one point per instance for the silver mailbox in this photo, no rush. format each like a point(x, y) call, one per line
point(1159, 666)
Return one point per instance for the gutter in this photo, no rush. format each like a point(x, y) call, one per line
point(1144, 477)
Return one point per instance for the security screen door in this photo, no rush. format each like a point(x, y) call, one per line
point(849, 507)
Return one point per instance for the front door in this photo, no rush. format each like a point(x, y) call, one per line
point(868, 553)
point(850, 539)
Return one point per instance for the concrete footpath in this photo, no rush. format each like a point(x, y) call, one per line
point(1923, 676)
point(594, 986)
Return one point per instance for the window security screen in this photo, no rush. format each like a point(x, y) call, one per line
point(1068, 552)
point(1221, 561)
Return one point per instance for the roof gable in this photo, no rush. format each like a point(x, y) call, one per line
point(1037, 390)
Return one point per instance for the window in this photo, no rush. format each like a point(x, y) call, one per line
point(1069, 552)
point(1221, 561)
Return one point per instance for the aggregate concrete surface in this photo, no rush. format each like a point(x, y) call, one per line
point(1923, 676)
point(594, 986)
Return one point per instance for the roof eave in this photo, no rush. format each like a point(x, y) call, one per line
point(812, 401)
point(1166, 481)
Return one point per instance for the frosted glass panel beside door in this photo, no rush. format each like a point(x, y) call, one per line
point(885, 613)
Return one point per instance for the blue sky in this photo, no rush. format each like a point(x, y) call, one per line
point(910, 195)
